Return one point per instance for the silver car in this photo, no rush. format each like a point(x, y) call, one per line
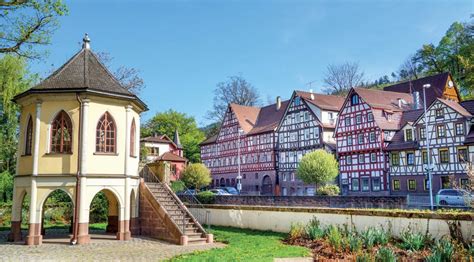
point(454, 197)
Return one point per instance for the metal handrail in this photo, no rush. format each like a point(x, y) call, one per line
point(201, 207)
point(149, 176)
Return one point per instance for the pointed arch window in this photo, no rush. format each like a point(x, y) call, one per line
point(29, 136)
point(61, 133)
point(132, 138)
point(106, 134)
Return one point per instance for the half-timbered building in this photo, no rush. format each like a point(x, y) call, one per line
point(255, 128)
point(366, 123)
point(308, 124)
point(448, 123)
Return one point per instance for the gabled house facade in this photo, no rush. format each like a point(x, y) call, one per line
point(366, 123)
point(448, 123)
point(254, 127)
point(308, 124)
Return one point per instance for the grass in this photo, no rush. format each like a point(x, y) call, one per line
point(96, 226)
point(246, 245)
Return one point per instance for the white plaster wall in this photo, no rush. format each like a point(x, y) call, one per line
point(280, 221)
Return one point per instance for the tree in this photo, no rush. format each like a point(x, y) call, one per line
point(28, 23)
point(196, 176)
point(341, 78)
point(409, 70)
point(128, 77)
point(317, 167)
point(235, 90)
point(211, 129)
point(167, 122)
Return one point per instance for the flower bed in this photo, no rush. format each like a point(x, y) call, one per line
point(375, 244)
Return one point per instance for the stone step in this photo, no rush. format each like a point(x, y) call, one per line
point(194, 235)
point(197, 241)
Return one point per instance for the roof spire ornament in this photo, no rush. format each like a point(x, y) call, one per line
point(86, 42)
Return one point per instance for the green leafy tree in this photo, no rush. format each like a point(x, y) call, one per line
point(167, 122)
point(28, 23)
point(196, 176)
point(318, 167)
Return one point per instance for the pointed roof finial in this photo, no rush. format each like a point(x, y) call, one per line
point(86, 42)
point(176, 139)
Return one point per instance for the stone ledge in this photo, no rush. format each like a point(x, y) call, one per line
point(467, 216)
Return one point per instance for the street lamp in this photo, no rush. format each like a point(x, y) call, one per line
point(239, 177)
point(428, 168)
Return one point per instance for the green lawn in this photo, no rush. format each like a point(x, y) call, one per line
point(246, 245)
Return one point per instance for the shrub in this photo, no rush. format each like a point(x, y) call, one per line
point(363, 257)
point(335, 237)
point(412, 241)
point(177, 186)
point(317, 167)
point(355, 243)
point(206, 197)
point(375, 236)
point(328, 190)
point(196, 176)
point(314, 230)
point(297, 230)
point(385, 254)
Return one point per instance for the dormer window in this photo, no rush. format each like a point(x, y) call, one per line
point(355, 100)
point(408, 135)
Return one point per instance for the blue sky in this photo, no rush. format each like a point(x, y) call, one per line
point(183, 48)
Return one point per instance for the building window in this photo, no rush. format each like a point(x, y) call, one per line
point(360, 139)
point(424, 156)
point(365, 184)
point(355, 100)
point(439, 113)
point(372, 137)
point(284, 177)
point(132, 138)
point(106, 135)
point(396, 185)
point(444, 155)
point(422, 133)
point(61, 134)
point(375, 184)
point(462, 154)
point(426, 185)
point(347, 121)
point(355, 184)
point(445, 182)
point(284, 191)
point(395, 158)
point(408, 135)
point(361, 158)
point(459, 129)
point(349, 140)
point(373, 157)
point(29, 136)
point(292, 176)
point(464, 183)
point(370, 117)
point(256, 175)
point(244, 176)
point(348, 160)
point(358, 119)
point(441, 131)
point(306, 116)
point(411, 184)
point(297, 101)
point(410, 158)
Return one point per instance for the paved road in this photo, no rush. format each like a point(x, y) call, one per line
point(104, 249)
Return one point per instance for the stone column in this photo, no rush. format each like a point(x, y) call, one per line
point(124, 224)
point(34, 231)
point(83, 232)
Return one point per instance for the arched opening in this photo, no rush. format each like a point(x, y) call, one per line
point(222, 182)
point(104, 214)
point(267, 185)
point(56, 217)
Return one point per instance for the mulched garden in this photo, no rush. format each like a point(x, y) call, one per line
point(334, 243)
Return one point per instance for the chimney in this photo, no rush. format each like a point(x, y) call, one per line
point(401, 102)
point(86, 42)
point(416, 100)
point(278, 103)
point(312, 95)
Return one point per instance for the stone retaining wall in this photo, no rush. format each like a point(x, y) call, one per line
point(314, 201)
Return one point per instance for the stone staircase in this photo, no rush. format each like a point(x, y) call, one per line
point(192, 231)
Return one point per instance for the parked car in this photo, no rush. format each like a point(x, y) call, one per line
point(454, 197)
point(187, 192)
point(230, 190)
point(220, 192)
